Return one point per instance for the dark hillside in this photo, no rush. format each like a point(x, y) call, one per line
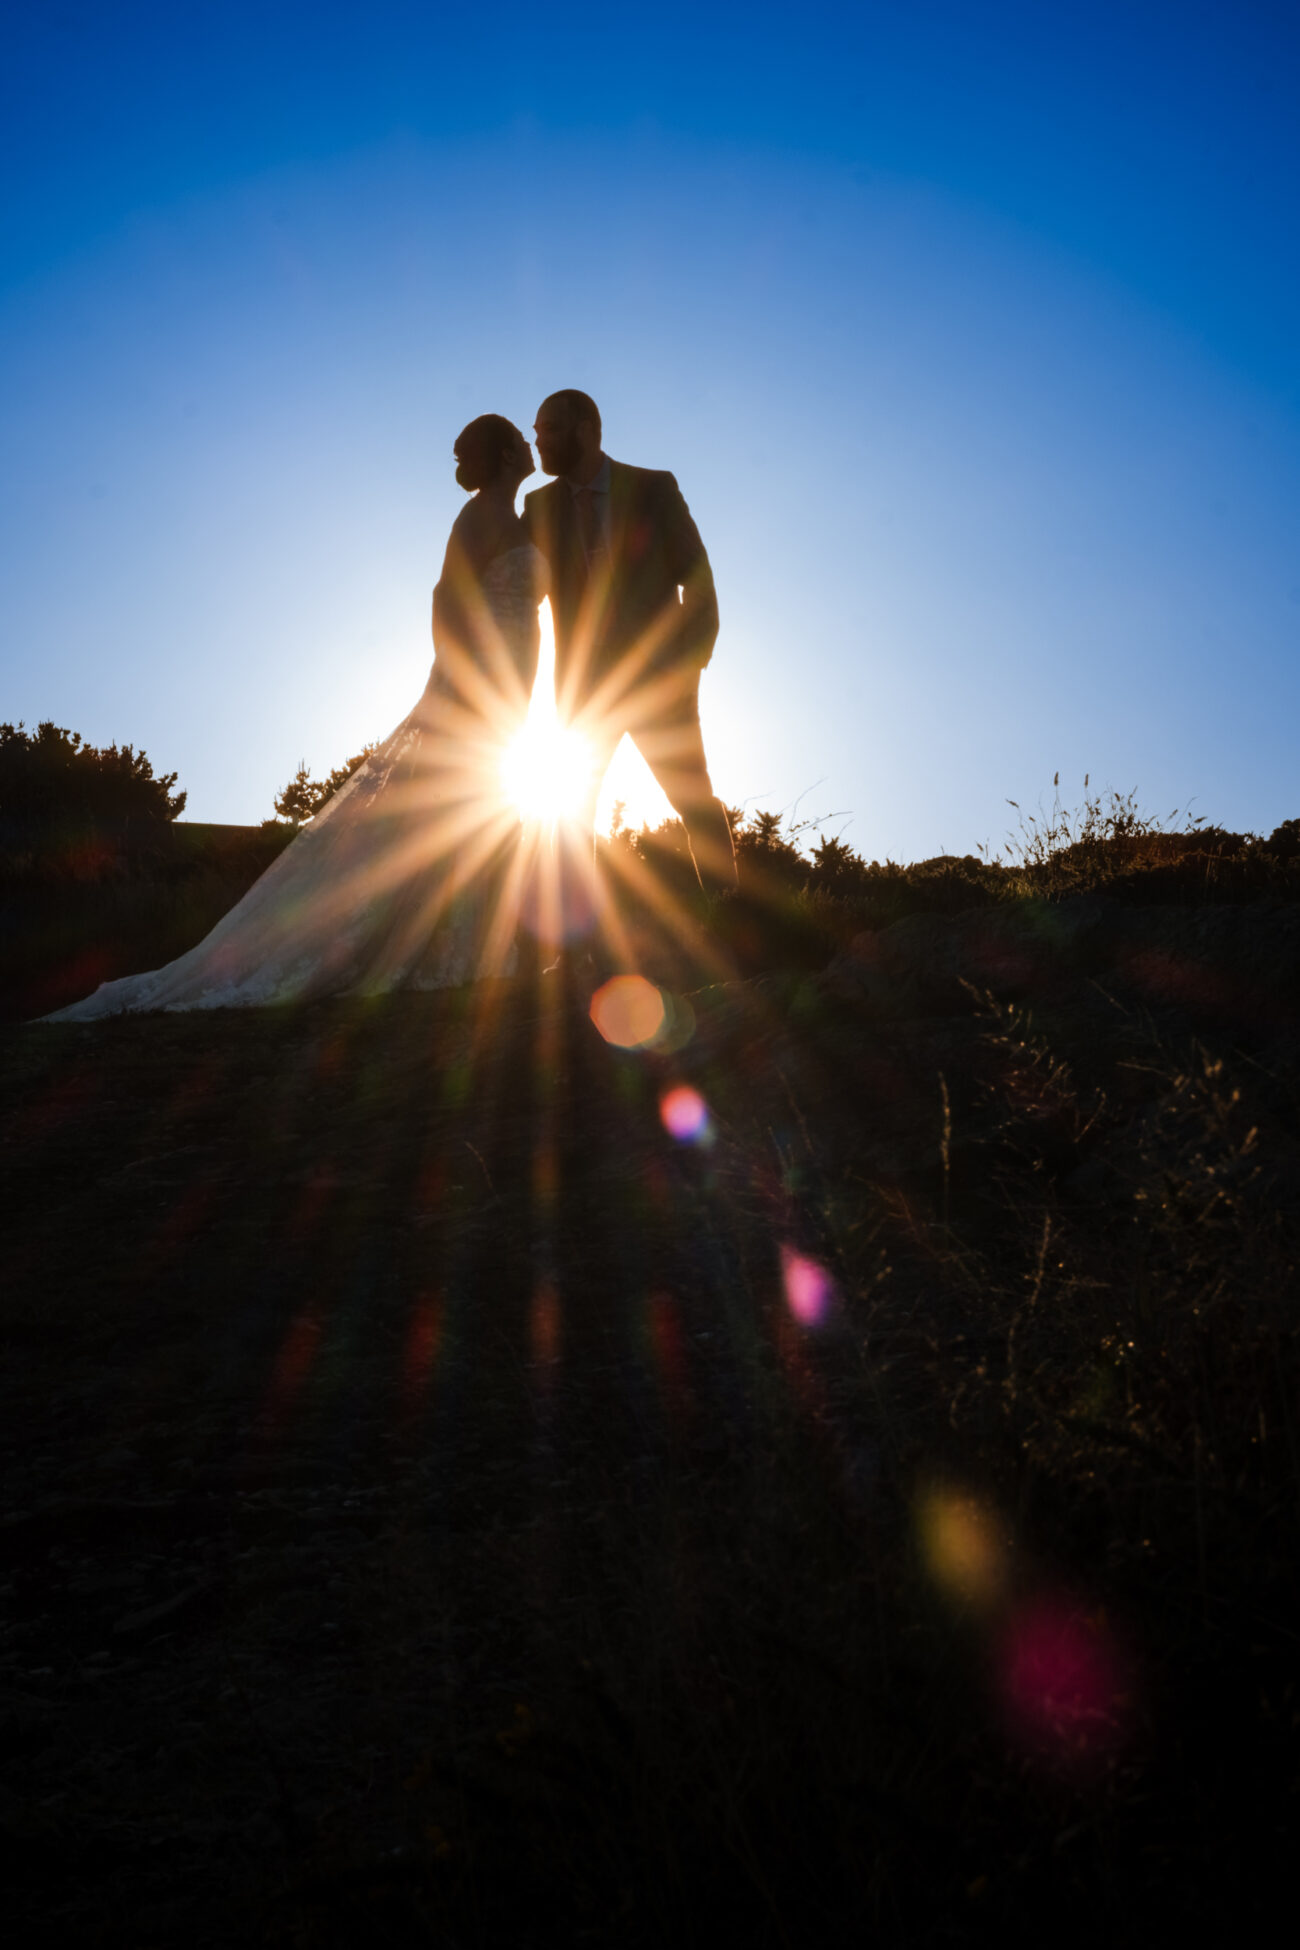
point(85, 896)
point(84, 902)
point(445, 1506)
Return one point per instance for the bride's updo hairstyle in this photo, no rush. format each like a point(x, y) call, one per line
point(479, 447)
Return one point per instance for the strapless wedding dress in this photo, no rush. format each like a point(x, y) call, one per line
point(402, 880)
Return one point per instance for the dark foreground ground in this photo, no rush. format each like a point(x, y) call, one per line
point(444, 1508)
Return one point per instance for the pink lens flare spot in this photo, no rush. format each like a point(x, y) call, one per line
point(628, 1011)
point(1063, 1679)
point(686, 1115)
point(809, 1289)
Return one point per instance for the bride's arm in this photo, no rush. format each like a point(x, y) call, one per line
point(449, 593)
point(456, 594)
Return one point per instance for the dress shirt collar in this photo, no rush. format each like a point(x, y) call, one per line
point(599, 483)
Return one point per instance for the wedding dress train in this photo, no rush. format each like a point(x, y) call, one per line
point(401, 880)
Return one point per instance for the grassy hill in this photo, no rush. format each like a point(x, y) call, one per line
point(84, 903)
point(469, 1483)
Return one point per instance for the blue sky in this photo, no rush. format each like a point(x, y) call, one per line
point(970, 332)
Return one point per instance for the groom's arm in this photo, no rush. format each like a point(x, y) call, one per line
point(688, 565)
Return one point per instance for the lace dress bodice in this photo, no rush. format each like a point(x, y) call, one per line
point(505, 630)
point(513, 585)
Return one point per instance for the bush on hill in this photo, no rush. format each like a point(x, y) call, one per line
point(1107, 846)
point(73, 811)
point(51, 775)
point(94, 866)
point(304, 796)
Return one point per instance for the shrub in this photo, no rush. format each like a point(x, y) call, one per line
point(304, 796)
point(51, 775)
point(1106, 825)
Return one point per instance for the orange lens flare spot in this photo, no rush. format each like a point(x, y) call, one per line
point(544, 1325)
point(809, 1289)
point(686, 1115)
point(628, 1011)
point(963, 1548)
point(546, 1176)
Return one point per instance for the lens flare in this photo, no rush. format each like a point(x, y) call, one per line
point(686, 1115)
point(1062, 1679)
point(667, 1339)
point(293, 1363)
point(544, 1324)
point(628, 1011)
point(424, 1337)
point(809, 1289)
point(678, 1025)
point(963, 1548)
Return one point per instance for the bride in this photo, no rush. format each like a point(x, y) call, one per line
point(406, 877)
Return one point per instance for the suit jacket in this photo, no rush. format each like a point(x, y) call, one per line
point(625, 618)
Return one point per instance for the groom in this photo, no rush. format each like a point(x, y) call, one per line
point(635, 616)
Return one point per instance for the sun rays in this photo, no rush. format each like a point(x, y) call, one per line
point(537, 797)
point(474, 826)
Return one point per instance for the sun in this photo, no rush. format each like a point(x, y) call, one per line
point(546, 768)
point(546, 771)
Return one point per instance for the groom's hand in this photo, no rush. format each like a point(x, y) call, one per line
point(697, 631)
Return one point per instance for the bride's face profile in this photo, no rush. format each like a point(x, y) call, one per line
point(520, 463)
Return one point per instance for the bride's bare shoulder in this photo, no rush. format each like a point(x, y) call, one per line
point(471, 531)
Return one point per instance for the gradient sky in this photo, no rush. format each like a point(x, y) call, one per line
point(971, 332)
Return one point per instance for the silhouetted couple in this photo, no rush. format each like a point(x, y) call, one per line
point(410, 876)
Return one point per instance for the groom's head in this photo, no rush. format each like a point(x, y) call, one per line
point(568, 433)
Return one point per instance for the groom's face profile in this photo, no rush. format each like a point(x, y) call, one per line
point(559, 447)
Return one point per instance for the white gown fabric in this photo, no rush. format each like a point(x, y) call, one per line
point(403, 879)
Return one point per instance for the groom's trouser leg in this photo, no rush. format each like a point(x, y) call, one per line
point(669, 738)
point(662, 717)
point(583, 892)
